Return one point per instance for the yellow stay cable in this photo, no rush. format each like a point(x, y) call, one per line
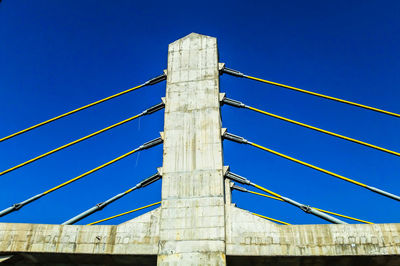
point(333, 213)
point(121, 214)
point(68, 144)
point(323, 131)
point(71, 112)
point(90, 172)
point(324, 96)
point(308, 165)
point(271, 219)
point(344, 216)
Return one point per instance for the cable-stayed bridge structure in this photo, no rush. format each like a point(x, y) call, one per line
point(196, 221)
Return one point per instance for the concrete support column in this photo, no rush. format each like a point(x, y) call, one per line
point(192, 224)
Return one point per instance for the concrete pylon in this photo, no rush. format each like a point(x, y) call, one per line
point(192, 224)
point(196, 223)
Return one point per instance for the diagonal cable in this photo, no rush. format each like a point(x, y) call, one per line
point(321, 210)
point(271, 219)
point(146, 112)
point(103, 204)
point(125, 213)
point(239, 139)
point(149, 82)
point(303, 207)
point(242, 105)
point(239, 74)
point(19, 205)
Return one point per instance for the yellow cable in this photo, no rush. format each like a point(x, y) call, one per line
point(68, 144)
point(118, 215)
point(264, 195)
point(89, 172)
point(309, 165)
point(323, 131)
point(325, 96)
point(268, 191)
point(344, 216)
point(271, 219)
point(71, 112)
point(333, 213)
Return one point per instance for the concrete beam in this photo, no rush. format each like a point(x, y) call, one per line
point(139, 236)
point(250, 235)
point(249, 240)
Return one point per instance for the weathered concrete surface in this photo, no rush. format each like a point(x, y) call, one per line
point(250, 235)
point(192, 229)
point(250, 240)
point(139, 236)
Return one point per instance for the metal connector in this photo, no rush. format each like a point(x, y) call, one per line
point(235, 138)
point(19, 205)
point(237, 178)
point(153, 109)
point(149, 180)
point(101, 205)
point(239, 188)
point(233, 72)
point(156, 80)
point(233, 103)
point(151, 143)
point(306, 208)
point(310, 210)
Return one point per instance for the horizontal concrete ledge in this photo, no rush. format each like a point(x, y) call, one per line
point(249, 235)
point(246, 236)
point(139, 236)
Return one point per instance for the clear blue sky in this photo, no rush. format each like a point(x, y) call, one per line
point(59, 55)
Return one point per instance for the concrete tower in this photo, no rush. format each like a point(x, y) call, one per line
point(196, 223)
point(192, 227)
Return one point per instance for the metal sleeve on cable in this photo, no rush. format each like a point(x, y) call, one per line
point(234, 103)
point(315, 211)
point(384, 193)
point(239, 188)
point(237, 178)
point(11, 209)
point(303, 207)
point(308, 209)
point(19, 205)
point(379, 191)
point(233, 72)
point(235, 138)
point(156, 80)
point(101, 205)
point(151, 143)
point(281, 199)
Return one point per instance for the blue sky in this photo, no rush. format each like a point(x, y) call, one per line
point(59, 55)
